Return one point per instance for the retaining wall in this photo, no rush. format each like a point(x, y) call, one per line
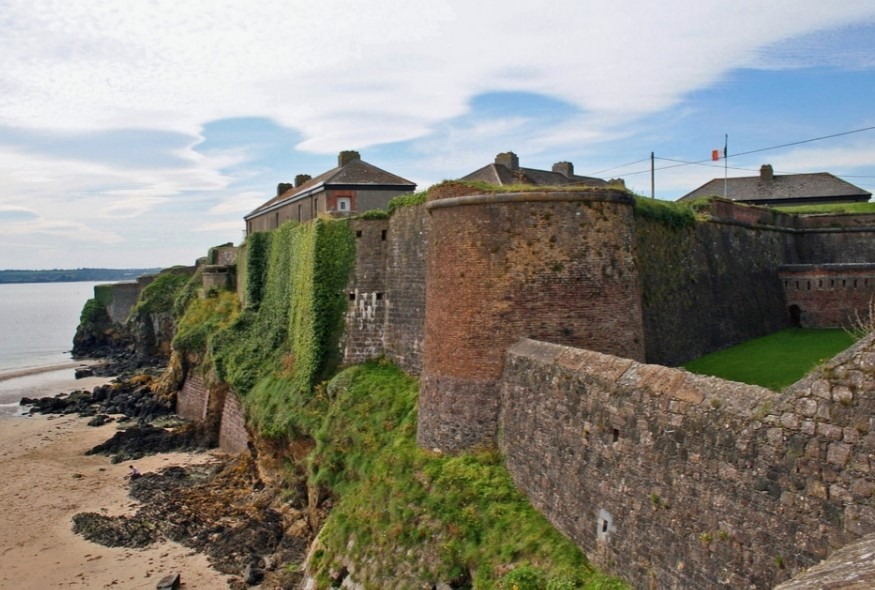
point(674, 480)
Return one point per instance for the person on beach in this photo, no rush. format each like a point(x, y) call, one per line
point(134, 473)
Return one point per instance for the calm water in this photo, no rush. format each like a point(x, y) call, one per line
point(37, 324)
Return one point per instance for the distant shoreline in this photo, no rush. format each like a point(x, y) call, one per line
point(78, 275)
point(28, 371)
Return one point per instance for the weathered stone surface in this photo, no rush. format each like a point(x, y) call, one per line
point(762, 494)
point(850, 568)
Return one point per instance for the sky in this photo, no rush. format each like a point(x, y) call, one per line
point(138, 134)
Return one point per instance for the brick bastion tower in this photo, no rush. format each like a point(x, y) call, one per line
point(553, 266)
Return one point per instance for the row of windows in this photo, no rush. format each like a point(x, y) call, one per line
point(833, 283)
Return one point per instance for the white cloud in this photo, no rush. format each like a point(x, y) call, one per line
point(348, 76)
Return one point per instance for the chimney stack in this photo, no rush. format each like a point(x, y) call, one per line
point(283, 187)
point(301, 179)
point(509, 160)
point(766, 173)
point(566, 169)
point(347, 156)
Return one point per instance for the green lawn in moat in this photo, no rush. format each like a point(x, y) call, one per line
point(774, 361)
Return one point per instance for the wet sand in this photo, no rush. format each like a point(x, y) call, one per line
point(45, 478)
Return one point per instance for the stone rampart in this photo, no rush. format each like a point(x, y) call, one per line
point(557, 266)
point(366, 292)
point(675, 480)
point(404, 332)
point(709, 286)
point(124, 297)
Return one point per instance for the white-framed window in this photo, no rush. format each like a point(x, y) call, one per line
point(343, 203)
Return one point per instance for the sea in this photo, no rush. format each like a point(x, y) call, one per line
point(37, 325)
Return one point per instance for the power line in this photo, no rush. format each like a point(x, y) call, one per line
point(681, 163)
point(804, 141)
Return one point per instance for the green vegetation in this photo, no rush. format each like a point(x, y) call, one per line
point(160, 295)
point(74, 275)
point(671, 214)
point(774, 361)
point(406, 201)
point(867, 207)
point(462, 515)
point(286, 339)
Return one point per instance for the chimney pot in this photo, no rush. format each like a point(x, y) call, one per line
point(347, 156)
point(301, 179)
point(509, 160)
point(283, 187)
point(766, 172)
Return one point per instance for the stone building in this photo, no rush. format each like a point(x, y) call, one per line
point(786, 189)
point(506, 170)
point(353, 186)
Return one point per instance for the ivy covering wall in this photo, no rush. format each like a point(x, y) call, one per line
point(285, 339)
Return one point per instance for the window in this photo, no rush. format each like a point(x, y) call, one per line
point(343, 204)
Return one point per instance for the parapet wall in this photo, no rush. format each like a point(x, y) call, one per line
point(675, 480)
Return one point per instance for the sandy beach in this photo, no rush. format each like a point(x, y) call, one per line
point(45, 478)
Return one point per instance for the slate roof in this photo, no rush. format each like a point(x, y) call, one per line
point(356, 174)
point(502, 175)
point(787, 188)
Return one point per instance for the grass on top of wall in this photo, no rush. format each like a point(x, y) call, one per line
point(774, 361)
point(866, 207)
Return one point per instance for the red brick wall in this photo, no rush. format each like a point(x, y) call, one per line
point(192, 400)
point(233, 436)
point(553, 266)
point(829, 296)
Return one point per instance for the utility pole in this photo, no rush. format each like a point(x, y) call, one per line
point(652, 178)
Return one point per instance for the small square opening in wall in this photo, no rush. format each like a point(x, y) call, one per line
point(615, 435)
point(379, 296)
point(383, 235)
point(352, 296)
point(358, 233)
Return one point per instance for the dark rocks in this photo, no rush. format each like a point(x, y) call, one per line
point(169, 582)
point(100, 420)
point(211, 508)
point(115, 531)
point(139, 441)
point(132, 396)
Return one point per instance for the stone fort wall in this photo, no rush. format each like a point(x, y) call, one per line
point(674, 480)
point(557, 266)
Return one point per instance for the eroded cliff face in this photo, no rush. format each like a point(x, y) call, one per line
point(134, 323)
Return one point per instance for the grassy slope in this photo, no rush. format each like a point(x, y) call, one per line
point(461, 516)
point(774, 361)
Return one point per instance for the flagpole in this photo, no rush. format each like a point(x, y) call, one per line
point(725, 164)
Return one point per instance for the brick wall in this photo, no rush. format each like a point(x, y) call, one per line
point(556, 266)
point(828, 296)
point(674, 480)
point(404, 333)
point(193, 399)
point(233, 436)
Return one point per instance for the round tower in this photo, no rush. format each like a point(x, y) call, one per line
point(552, 266)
